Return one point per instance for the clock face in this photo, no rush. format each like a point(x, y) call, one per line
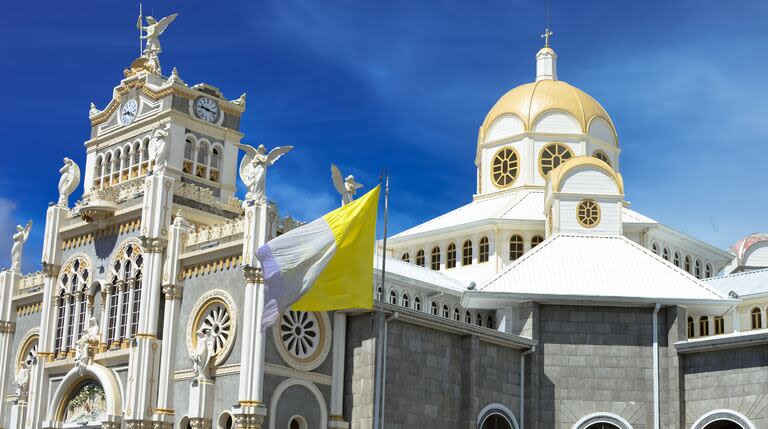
point(206, 109)
point(128, 111)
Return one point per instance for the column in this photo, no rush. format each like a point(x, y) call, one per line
point(337, 371)
point(249, 412)
point(164, 412)
point(105, 297)
point(9, 281)
point(144, 359)
point(77, 298)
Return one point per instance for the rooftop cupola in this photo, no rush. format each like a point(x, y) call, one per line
point(546, 60)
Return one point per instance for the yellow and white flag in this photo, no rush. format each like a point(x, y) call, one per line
point(324, 265)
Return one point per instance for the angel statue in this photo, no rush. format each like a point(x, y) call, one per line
point(86, 344)
point(201, 357)
point(158, 148)
point(69, 180)
point(153, 31)
point(19, 238)
point(21, 381)
point(253, 168)
point(346, 187)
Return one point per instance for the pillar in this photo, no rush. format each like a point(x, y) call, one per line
point(144, 361)
point(249, 412)
point(337, 371)
point(9, 281)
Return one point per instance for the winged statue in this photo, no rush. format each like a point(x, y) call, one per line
point(69, 180)
point(153, 30)
point(346, 187)
point(253, 168)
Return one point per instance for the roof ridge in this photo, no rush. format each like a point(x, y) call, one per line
point(526, 194)
point(523, 258)
point(743, 273)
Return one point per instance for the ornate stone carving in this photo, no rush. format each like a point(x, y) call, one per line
point(215, 232)
point(21, 381)
point(87, 345)
point(153, 30)
point(97, 205)
point(32, 280)
point(171, 292)
point(253, 275)
point(7, 326)
point(253, 168)
point(205, 196)
point(240, 101)
point(158, 147)
point(248, 421)
point(19, 238)
point(153, 245)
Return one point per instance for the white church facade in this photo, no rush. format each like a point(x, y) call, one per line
point(544, 302)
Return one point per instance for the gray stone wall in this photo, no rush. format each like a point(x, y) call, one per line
point(433, 378)
point(733, 379)
point(594, 359)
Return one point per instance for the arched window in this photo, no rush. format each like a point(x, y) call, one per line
point(450, 261)
point(60, 309)
point(757, 318)
point(420, 258)
point(417, 303)
point(378, 293)
point(144, 155)
point(707, 270)
point(496, 421)
point(515, 247)
point(719, 325)
point(688, 264)
point(466, 256)
point(655, 248)
point(551, 156)
point(392, 296)
point(202, 160)
point(445, 311)
point(690, 327)
point(665, 254)
point(72, 304)
point(468, 317)
point(125, 295)
point(114, 297)
point(602, 156)
point(405, 301)
point(703, 326)
point(189, 160)
point(489, 322)
point(435, 260)
point(676, 261)
point(456, 314)
point(406, 257)
point(536, 240)
point(433, 308)
point(485, 250)
point(215, 167)
point(697, 269)
point(97, 171)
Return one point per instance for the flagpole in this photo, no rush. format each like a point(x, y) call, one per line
point(141, 45)
point(378, 380)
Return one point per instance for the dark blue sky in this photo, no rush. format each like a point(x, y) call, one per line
point(404, 85)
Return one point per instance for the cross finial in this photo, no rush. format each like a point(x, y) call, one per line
point(547, 34)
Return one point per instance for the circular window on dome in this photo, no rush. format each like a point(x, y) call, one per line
point(551, 156)
point(504, 167)
point(602, 156)
point(302, 338)
point(215, 315)
point(588, 213)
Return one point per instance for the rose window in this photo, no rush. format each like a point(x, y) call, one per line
point(504, 168)
point(218, 322)
point(300, 333)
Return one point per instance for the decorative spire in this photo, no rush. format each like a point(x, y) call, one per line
point(93, 110)
point(546, 59)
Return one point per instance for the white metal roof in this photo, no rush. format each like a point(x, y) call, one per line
point(421, 275)
point(744, 284)
point(596, 268)
point(522, 205)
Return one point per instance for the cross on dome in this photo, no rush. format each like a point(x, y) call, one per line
point(547, 34)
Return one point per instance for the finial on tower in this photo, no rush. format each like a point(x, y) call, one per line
point(547, 34)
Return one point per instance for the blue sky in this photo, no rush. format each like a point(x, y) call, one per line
point(403, 86)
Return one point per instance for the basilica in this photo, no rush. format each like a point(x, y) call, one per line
point(544, 302)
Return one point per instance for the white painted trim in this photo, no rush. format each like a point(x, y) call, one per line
point(278, 392)
point(724, 411)
point(505, 411)
point(601, 418)
point(109, 382)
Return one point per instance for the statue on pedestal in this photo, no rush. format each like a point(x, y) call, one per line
point(158, 148)
point(201, 357)
point(153, 30)
point(253, 169)
point(70, 179)
point(21, 381)
point(346, 187)
point(86, 344)
point(19, 238)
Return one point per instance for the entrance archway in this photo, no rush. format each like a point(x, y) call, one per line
point(723, 424)
point(78, 393)
point(723, 419)
point(602, 421)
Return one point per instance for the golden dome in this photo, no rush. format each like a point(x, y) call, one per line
point(530, 100)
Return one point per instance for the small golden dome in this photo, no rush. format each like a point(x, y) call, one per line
point(530, 100)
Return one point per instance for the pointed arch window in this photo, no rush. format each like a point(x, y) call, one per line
point(435, 258)
point(72, 304)
point(189, 159)
point(466, 256)
point(484, 251)
point(405, 301)
point(456, 314)
point(433, 308)
point(655, 249)
point(536, 240)
point(468, 317)
point(719, 325)
point(406, 257)
point(515, 247)
point(707, 270)
point(688, 264)
point(703, 326)
point(445, 311)
point(665, 254)
point(490, 322)
point(676, 261)
point(420, 258)
point(450, 259)
point(690, 327)
point(393, 296)
point(697, 268)
point(479, 319)
point(417, 303)
point(125, 295)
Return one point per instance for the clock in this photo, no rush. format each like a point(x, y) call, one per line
point(128, 111)
point(206, 109)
